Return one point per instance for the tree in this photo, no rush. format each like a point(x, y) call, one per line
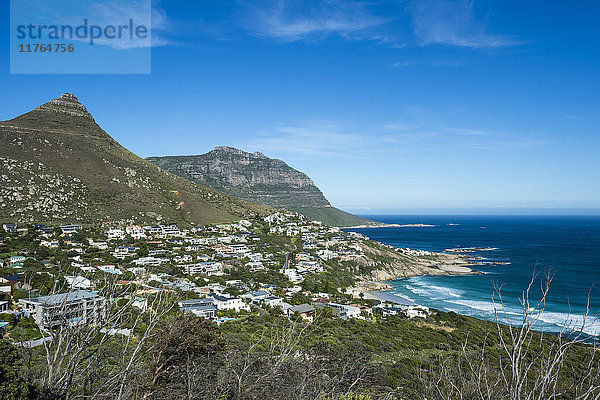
point(12, 386)
point(185, 359)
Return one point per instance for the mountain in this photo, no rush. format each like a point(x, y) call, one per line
point(258, 178)
point(57, 165)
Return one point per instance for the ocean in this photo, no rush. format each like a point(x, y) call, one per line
point(568, 247)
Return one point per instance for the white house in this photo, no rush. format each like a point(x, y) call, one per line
point(255, 265)
point(327, 255)
point(152, 261)
point(171, 230)
point(68, 229)
point(78, 282)
point(115, 233)
point(136, 232)
point(344, 311)
point(292, 275)
point(12, 228)
point(417, 311)
point(228, 303)
point(273, 301)
point(256, 296)
point(204, 308)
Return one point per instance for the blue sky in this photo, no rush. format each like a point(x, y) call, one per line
point(389, 106)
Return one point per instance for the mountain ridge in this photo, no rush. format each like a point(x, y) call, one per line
point(258, 178)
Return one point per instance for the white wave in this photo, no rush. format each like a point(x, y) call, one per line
point(589, 325)
point(433, 292)
point(420, 291)
point(400, 294)
point(416, 280)
point(448, 291)
point(576, 322)
point(486, 306)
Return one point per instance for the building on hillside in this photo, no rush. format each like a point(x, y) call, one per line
point(256, 296)
point(417, 311)
point(136, 232)
point(10, 228)
point(78, 282)
point(64, 309)
point(170, 230)
point(68, 229)
point(110, 269)
point(208, 268)
point(204, 308)
point(342, 311)
point(292, 275)
point(305, 311)
point(15, 281)
point(272, 301)
point(45, 230)
point(115, 233)
point(228, 303)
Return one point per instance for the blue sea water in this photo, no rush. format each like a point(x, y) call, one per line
point(568, 247)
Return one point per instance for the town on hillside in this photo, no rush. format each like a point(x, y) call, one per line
point(281, 265)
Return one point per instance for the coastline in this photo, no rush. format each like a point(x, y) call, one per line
point(507, 251)
point(385, 225)
point(407, 266)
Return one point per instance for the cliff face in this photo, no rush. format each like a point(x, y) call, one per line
point(58, 165)
point(252, 176)
point(264, 180)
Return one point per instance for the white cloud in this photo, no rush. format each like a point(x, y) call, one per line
point(418, 132)
point(311, 139)
point(296, 20)
point(452, 23)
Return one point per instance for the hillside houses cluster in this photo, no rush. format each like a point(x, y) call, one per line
point(198, 263)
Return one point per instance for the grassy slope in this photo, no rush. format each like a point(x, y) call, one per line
point(66, 169)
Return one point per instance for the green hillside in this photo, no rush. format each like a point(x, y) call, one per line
point(57, 165)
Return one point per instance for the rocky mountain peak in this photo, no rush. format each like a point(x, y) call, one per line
point(68, 104)
point(65, 114)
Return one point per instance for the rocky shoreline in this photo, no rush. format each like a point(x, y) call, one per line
point(407, 266)
point(384, 225)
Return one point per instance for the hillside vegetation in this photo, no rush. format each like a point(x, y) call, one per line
point(57, 165)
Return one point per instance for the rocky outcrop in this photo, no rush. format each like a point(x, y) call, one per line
point(398, 265)
point(252, 176)
point(68, 104)
point(264, 180)
point(63, 115)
